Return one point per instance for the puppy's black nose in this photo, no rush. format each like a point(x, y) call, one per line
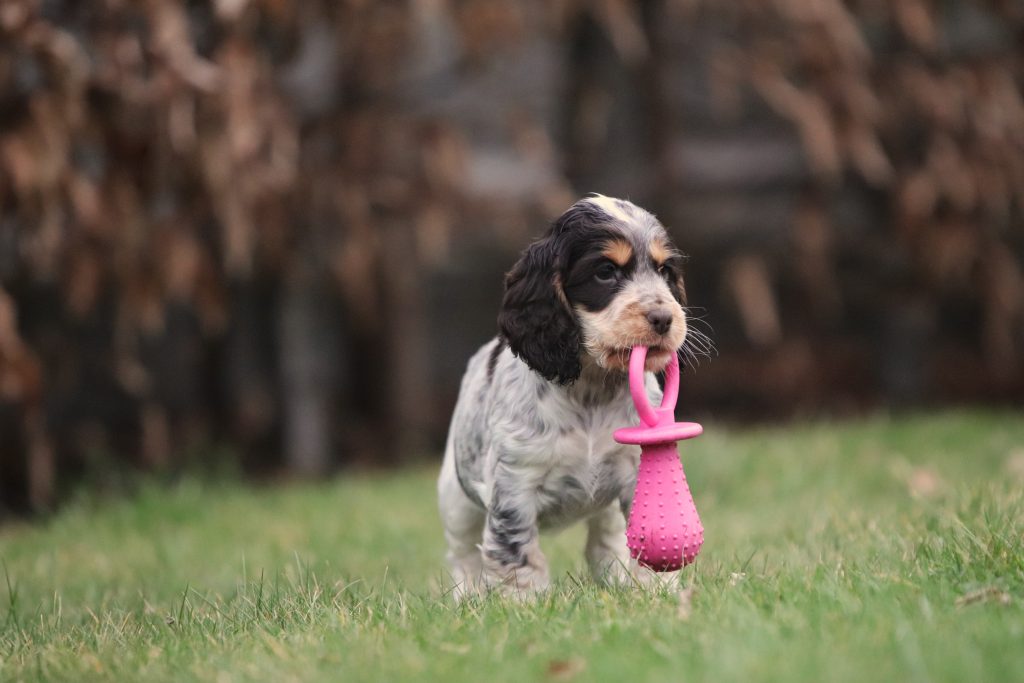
point(660, 321)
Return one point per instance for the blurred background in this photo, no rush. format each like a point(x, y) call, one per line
point(273, 231)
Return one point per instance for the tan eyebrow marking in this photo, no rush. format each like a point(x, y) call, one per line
point(619, 251)
point(660, 251)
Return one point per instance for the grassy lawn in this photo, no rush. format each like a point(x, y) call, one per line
point(878, 550)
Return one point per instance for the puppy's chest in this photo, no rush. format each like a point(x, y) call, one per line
point(587, 471)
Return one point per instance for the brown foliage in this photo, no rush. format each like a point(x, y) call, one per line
point(223, 220)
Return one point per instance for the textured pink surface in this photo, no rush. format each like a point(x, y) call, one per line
point(664, 531)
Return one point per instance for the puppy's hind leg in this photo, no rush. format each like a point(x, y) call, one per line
point(463, 522)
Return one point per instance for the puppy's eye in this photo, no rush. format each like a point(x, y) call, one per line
point(606, 272)
point(664, 271)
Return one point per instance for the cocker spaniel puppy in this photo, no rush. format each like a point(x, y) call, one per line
point(530, 445)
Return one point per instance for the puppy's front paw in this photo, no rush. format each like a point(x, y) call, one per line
point(520, 583)
point(518, 580)
point(630, 574)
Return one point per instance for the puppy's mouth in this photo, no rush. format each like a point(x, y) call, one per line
point(657, 358)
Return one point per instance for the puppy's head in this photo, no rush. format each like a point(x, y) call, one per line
point(604, 279)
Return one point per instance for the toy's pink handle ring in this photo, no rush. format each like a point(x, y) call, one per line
point(650, 416)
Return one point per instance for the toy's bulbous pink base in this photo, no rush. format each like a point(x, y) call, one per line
point(664, 531)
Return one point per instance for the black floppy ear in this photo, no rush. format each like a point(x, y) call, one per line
point(535, 317)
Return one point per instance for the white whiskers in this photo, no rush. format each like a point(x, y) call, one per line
point(698, 344)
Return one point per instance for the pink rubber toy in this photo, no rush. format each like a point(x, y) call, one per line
point(664, 531)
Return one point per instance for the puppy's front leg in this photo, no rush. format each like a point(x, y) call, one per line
point(607, 553)
point(606, 550)
point(513, 561)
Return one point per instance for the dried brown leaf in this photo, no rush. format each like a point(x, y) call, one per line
point(565, 669)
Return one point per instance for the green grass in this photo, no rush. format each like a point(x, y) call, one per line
point(877, 550)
